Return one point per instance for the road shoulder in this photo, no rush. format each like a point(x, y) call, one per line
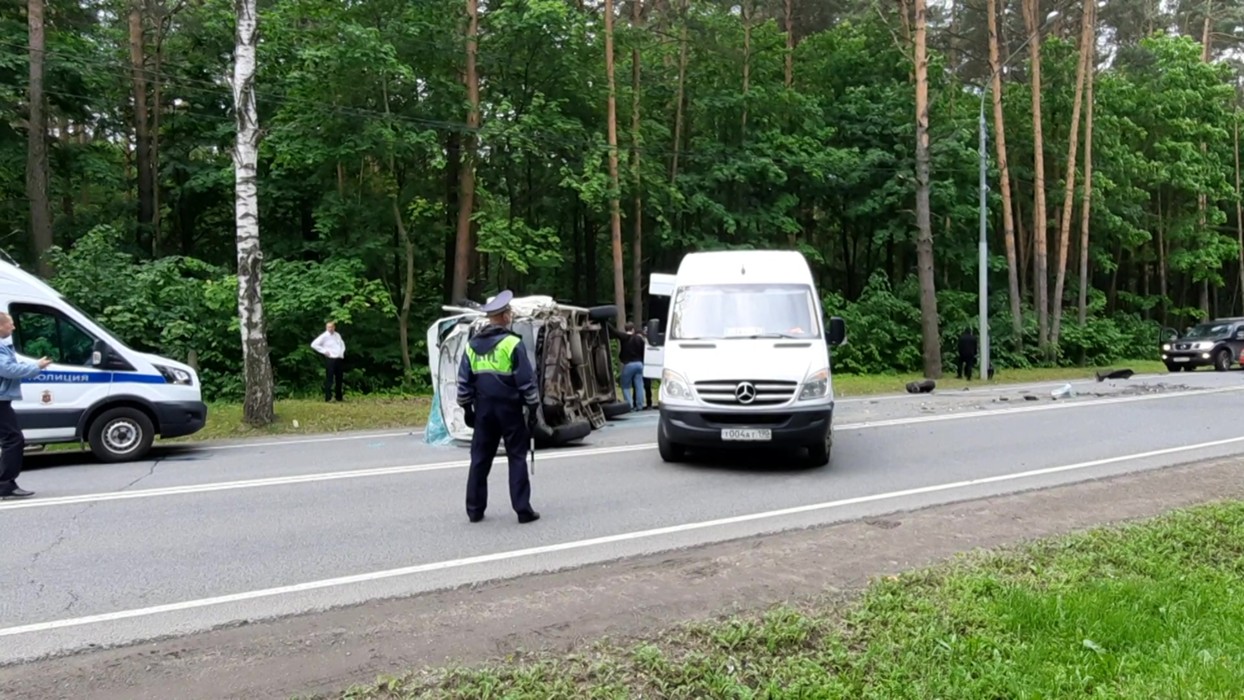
point(326, 651)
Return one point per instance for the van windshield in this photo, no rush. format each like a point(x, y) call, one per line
point(718, 311)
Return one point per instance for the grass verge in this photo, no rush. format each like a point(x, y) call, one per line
point(312, 416)
point(1148, 610)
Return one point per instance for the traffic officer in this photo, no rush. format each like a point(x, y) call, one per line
point(495, 381)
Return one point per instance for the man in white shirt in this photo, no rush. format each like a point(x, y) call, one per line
point(333, 348)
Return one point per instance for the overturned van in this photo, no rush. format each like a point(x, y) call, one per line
point(569, 349)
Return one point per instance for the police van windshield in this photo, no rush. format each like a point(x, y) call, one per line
point(721, 311)
point(112, 340)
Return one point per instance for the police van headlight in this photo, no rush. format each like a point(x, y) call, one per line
point(673, 386)
point(173, 375)
point(816, 386)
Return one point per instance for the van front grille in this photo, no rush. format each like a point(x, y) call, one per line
point(746, 392)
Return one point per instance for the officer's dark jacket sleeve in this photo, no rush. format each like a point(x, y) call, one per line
point(466, 382)
point(525, 376)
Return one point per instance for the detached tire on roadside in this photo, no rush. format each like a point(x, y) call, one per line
point(120, 434)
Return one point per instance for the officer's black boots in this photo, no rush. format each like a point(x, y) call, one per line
point(528, 517)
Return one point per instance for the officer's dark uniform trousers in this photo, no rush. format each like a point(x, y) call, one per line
point(496, 380)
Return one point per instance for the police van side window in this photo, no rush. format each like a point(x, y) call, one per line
point(44, 331)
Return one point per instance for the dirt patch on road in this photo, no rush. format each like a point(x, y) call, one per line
point(324, 652)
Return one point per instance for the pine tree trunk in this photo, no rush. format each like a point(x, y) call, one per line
point(1040, 244)
point(615, 214)
point(257, 409)
point(142, 124)
point(466, 172)
point(1086, 207)
point(637, 214)
point(681, 94)
point(790, 43)
point(924, 240)
point(1004, 172)
point(1069, 190)
point(37, 143)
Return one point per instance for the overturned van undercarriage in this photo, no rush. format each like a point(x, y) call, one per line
point(569, 349)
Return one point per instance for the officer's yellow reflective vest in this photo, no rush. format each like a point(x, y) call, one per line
point(500, 360)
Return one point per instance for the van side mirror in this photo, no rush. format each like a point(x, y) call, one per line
point(99, 354)
point(837, 331)
point(654, 332)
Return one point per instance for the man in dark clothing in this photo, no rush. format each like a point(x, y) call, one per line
point(967, 355)
point(495, 381)
point(631, 357)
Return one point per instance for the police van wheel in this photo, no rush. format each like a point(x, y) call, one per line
point(121, 434)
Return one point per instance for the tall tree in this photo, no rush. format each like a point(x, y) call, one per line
point(615, 214)
point(1040, 244)
point(637, 213)
point(1086, 207)
point(37, 140)
point(1004, 173)
point(924, 239)
point(142, 124)
point(466, 172)
point(1069, 188)
point(257, 408)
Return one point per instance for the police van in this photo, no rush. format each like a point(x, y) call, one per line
point(97, 390)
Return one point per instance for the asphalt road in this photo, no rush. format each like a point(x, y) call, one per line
point(202, 536)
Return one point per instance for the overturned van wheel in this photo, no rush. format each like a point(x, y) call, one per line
point(613, 409)
point(607, 312)
point(560, 435)
point(120, 434)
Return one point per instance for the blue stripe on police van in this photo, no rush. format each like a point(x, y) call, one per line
point(96, 378)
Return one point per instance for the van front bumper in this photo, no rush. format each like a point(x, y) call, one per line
point(179, 418)
point(697, 427)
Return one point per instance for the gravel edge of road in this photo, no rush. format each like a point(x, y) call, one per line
point(324, 652)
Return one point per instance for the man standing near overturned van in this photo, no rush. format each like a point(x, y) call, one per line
point(12, 442)
point(333, 348)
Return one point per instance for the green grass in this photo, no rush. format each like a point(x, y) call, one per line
point(309, 416)
point(1149, 610)
point(364, 413)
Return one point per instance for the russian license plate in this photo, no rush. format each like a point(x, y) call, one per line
point(1181, 359)
point(746, 434)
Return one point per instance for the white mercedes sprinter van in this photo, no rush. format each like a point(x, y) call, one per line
point(746, 356)
point(97, 389)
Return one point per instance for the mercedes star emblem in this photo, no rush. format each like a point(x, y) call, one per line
point(745, 392)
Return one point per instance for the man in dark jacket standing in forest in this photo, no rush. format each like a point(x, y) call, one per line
point(495, 381)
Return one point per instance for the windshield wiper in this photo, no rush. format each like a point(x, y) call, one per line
point(758, 336)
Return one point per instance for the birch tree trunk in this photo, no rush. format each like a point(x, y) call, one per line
point(615, 214)
point(257, 409)
point(37, 142)
point(924, 239)
point(1069, 190)
point(466, 188)
point(1086, 207)
point(1004, 171)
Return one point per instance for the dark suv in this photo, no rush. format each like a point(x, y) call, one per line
point(1217, 343)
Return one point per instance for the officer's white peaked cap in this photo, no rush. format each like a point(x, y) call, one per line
point(498, 304)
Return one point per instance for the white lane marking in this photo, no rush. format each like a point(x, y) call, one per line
point(299, 441)
point(596, 541)
point(557, 455)
point(300, 479)
point(977, 391)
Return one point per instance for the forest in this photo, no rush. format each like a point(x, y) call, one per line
point(413, 154)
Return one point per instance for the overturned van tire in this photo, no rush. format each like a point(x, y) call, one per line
point(120, 434)
point(613, 409)
point(606, 312)
point(558, 436)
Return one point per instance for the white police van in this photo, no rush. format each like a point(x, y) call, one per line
point(97, 389)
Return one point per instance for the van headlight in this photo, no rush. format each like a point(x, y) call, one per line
point(173, 375)
point(816, 386)
point(673, 386)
